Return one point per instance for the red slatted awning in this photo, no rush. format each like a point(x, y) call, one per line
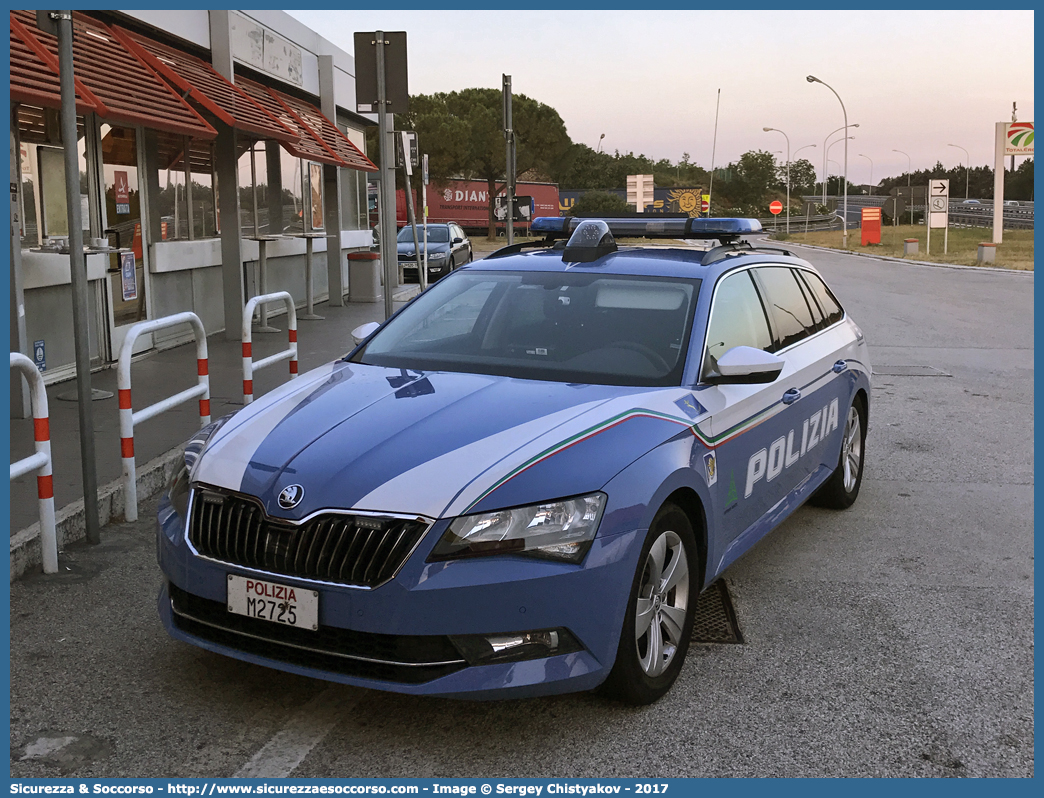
point(126, 89)
point(34, 78)
point(326, 131)
point(197, 79)
point(308, 145)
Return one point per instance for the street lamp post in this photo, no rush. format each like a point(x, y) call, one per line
point(777, 130)
point(967, 164)
point(831, 133)
point(813, 79)
point(909, 169)
point(871, 172)
point(826, 154)
point(600, 142)
point(799, 149)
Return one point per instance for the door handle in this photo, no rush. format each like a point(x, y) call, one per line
point(840, 366)
point(791, 396)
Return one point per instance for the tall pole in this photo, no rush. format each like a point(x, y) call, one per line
point(844, 236)
point(78, 274)
point(714, 150)
point(871, 185)
point(799, 149)
point(825, 149)
point(386, 207)
point(509, 162)
point(909, 170)
point(777, 130)
point(1014, 119)
point(967, 165)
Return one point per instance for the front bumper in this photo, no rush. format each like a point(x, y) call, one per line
point(436, 269)
point(396, 637)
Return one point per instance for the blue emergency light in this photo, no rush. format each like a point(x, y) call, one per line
point(725, 229)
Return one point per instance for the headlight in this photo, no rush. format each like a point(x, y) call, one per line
point(437, 255)
point(179, 484)
point(556, 530)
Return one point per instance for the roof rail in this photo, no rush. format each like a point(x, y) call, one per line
point(724, 250)
point(514, 249)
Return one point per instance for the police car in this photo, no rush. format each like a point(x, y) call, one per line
point(520, 483)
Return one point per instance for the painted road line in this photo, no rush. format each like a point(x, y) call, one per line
point(308, 727)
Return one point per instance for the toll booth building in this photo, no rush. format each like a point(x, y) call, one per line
point(202, 137)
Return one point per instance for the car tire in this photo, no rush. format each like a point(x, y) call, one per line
point(840, 490)
point(649, 660)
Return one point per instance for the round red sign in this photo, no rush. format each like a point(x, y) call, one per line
point(776, 207)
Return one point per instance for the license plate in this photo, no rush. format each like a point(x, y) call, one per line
point(268, 601)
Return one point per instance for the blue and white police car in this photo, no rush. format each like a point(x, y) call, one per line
point(520, 483)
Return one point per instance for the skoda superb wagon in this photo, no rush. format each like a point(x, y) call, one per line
point(521, 482)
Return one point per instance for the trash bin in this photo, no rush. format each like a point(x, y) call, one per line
point(364, 277)
point(910, 246)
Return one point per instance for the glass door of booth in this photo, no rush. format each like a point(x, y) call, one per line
point(127, 284)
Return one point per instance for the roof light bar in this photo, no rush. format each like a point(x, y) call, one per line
point(721, 229)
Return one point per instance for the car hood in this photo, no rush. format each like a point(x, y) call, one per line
point(434, 444)
point(407, 248)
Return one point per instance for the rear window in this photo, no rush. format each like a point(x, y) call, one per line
point(831, 307)
point(566, 327)
point(436, 235)
point(787, 306)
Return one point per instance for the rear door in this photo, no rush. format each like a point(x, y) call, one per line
point(815, 389)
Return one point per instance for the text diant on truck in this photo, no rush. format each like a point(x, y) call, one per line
point(467, 202)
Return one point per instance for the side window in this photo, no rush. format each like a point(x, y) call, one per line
point(813, 304)
point(787, 305)
point(831, 307)
point(737, 319)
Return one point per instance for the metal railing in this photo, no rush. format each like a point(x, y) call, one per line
point(249, 366)
point(40, 461)
point(129, 418)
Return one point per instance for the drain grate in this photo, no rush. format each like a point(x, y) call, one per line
point(909, 371)
point(715, 616)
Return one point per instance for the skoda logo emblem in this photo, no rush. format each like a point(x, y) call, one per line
point(291, 496)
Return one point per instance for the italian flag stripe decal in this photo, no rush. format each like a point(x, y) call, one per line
point(620, 418)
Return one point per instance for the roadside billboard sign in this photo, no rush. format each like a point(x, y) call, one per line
point(1018, 139)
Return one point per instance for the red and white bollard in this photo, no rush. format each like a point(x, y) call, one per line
point(249, 366)
point(40, 461)
point(128, 418)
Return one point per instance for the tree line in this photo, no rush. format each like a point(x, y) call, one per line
point(462, 134)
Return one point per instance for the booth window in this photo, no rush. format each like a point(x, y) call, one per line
point(253, 191)
point(41, 163)
point(353, 188)
point(185, 201)
point(292, 193)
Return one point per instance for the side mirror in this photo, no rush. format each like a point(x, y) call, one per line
point(458, 240)
point(360, 334)
point(745, 365)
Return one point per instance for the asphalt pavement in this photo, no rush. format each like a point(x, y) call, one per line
point(891, 639)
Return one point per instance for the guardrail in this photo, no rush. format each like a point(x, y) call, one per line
point(249, 366)
point(129, 418)
point(40, 461)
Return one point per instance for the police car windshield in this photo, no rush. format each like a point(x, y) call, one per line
point(436, 235)
point(565, 327)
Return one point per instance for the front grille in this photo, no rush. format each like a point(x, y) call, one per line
point(342, 549)
point(407, 659)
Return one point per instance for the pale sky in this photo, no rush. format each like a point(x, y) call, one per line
point(913, 80)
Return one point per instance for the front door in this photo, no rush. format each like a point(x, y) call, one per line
point(124, 207)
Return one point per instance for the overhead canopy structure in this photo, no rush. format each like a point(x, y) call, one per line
point(110, 80)
point(197, 79)
point(318, 137)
